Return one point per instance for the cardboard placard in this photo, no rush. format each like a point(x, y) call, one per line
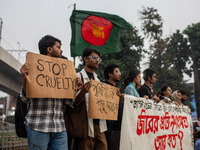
point(103, 101)
point(50, 77)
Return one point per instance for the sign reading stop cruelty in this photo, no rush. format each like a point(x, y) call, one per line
point(50, 77)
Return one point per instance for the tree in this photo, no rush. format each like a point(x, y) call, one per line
point(152, 28)
point(151, 23)
point(163, 50)
point(161, 65)
point(193, 34)
point(178, 53)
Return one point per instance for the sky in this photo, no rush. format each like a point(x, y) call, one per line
point(26, 21)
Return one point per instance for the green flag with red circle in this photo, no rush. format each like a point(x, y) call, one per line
point(97, 30)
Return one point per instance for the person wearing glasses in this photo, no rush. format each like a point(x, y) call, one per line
point(176, 97)
point(165, 94)
point(96, 127)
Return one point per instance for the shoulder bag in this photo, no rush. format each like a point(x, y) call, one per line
point(76, 119)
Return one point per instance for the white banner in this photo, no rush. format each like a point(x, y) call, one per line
point(155, 126)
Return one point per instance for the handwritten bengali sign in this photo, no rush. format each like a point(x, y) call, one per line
point(50, 77)
point(160, 126)
point(103, 101)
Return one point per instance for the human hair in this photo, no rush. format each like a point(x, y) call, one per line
point(132, 74)
point(109, 69)
point(163, 89)
point(175, 95)
point(45, 42)
point(198, 134)
point(63, 57)
point(148, 73)
point(184, 92)
point(88, 51)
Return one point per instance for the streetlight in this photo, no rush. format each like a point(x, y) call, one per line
point(19, 45)
point(19, 49)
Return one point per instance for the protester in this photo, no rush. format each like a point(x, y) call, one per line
point(185, 96)
point(165, 94)
point(185, 101)
point(198, 122)
point(197, 143)
point(196, 127)
point(138, 86)
point(96, 127)
point(152, 91)
point(130, 82)
point(45, 121)
point(176, 97)
point(113, 75)
point(149, 77)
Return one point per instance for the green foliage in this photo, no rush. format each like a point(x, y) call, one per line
point(128, 58)
point(161, 65)
point(151, 23)
point(167, 57)
point(178, 53)
point(193, 35)
point(168, 77)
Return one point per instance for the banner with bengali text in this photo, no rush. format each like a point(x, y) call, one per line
point(147, 125)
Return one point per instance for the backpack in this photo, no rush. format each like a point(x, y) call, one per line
point(20, 113)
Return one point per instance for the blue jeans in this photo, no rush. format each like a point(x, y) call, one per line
point(46, 141)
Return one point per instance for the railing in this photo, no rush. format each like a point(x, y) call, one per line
point(9, 139)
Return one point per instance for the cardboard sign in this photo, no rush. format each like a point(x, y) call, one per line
point(160, 126)
point(103, 101)
point(50, 77)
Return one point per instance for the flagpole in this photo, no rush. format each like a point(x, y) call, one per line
point(74, 56)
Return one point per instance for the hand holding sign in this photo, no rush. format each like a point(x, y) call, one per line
point(103, 101)
point(86, 87)
point(50, 77)
point(24, 71)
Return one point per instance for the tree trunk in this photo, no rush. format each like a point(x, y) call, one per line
point(196, 83)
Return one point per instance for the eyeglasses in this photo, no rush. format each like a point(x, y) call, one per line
point(153, 76)
point(118, 72)
point(95, 58)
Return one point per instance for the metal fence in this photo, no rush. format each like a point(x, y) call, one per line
point(9, 139)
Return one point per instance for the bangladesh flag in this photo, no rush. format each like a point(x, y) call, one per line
point(97, 30)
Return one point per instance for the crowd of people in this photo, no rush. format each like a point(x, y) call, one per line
point(45, 121)
point(133, 80)
point(196, 132)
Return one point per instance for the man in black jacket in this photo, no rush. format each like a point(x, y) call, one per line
point(113, 75)
point(145, 90)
